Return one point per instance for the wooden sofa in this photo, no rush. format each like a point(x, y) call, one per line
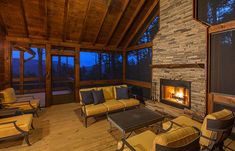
point(110, 104)
point(16, 126)
point(25, 103)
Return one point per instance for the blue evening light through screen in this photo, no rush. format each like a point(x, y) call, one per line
point(88, 59)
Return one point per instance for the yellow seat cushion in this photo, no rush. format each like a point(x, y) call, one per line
point(108, 92)
point(141, 142)
point(113, 105)
point(22, 121)
point(8, 95)
point(118, 86)
point(92, 109)
point(130, 102)
point(183, 121)
point(223, 114)
point(176, 138)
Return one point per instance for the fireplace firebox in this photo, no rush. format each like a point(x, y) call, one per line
point(176, 93)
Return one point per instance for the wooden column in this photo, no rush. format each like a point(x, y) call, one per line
point(21, 72)
point(124, 66)
point(77, 74)
point(48, 75)
point(7, 64)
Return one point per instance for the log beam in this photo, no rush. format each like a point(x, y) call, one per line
point(222, 27)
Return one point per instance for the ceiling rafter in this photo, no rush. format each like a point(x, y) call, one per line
point(66, 10)
point(147, 26)
point(22, 2)
point(43, 4)
point(84, 21)
point(2, 25)
point(141, 3)
point(102, 21)
point(141, 23)
point(127, 2)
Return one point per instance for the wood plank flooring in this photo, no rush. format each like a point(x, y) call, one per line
point(59, 128)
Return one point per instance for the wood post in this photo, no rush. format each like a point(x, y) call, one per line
point(77, 74)
point(21, 72)
point(48, 76)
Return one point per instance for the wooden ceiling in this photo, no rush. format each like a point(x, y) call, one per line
point(96, 22)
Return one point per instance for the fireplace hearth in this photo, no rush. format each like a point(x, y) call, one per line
point(176, 93)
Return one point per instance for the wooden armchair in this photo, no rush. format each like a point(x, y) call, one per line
point(16, 126)
point(26, 103)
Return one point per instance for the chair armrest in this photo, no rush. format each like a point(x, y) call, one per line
point(171, 126)
point(25, 96)
point(124, 142)
point(83, 106)
point(14, 123)
point(21, 102)
point(5, 123)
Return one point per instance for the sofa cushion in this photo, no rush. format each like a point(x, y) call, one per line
point(82, 90)
point(87, 97)
point(113, 105)
point(176, 138)
point(22, 121)
point(141, 142)
point(223, 114)
point(8, 95)
point(118, 86)
point(121, 93)
point(183, 121)
point(108, 92)
point(92, 109)
point(98, 96)
point(129, 102)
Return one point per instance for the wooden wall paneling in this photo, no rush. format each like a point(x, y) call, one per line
point(24, 17)
point(7, 63)
point(141, 23)
point(118, 19)
point(77, 74)
point(141, 3)
point(48, 76)
point(21, 72)
point(66, 10)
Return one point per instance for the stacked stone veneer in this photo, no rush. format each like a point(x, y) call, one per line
point(181, 40)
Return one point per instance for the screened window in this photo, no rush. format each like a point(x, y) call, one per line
point(223, 63)
point(214, 12)
point(138, 65)
point(16, 69)
point(100, 66)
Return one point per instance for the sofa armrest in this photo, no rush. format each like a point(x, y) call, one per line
point(21, 102)
point(25, 96)
point(171, 126)
point(124, 142)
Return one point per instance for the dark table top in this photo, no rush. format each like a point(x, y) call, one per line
point(131, 120)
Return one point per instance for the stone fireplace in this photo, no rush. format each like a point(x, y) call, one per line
point(180, 54)
point(176, 93)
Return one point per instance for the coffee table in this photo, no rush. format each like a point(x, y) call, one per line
point(131, 120)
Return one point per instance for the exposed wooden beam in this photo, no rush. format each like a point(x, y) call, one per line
point(24, 17)
point(139, 83)
point(222, 27)
point(117, 21)
point(141, 3)
point(84, 21)
point(66, 10)
point(146, 45)
point(3, 26)
point(146, 27)
point(102, 21)
point(141, 23)
point(46, 19)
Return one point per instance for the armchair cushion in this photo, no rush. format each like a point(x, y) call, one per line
point(223, 114)
point(22, 121)
point(141, 142)
point(92, 109)
point(8, 95)
point(176, 138)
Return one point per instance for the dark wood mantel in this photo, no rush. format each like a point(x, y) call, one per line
point(171, 66)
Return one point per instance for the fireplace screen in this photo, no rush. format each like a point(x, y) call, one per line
point(176, 93)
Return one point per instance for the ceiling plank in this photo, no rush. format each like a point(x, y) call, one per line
point(102, 22)
point(141, 3)
point(117, 21)
point(84, 21)
point(141, 23)
point(66, 10)
point(44, 3)
point(24, 16)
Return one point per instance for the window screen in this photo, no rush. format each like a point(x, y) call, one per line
point(138, 65)
point(214, 12)
point(223, 62)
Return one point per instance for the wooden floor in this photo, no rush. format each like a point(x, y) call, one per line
point(59, 128)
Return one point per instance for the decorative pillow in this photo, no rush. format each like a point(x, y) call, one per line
point(98, 96)
point(87, 97)
point(122, 93)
